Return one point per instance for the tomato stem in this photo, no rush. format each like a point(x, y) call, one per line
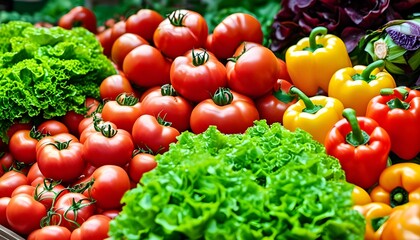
point(176, 18)
point(199, 58)
point(168, 90)
point(223, 96)
point(126, 100)
point(108, 131)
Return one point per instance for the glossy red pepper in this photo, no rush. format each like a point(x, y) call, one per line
point(361, 146)
point(79, 17)
point(397, 110)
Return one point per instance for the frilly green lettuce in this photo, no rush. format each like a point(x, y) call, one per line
point(46, 72)
point(268, 183)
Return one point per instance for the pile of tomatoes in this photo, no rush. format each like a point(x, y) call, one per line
point(65, 177)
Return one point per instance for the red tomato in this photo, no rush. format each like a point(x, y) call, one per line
point(109, 146)
point(283, 73)
point(50, 232)
point(24, 214)
point(59, 157)
point(10, 181)
point(18, 126)
point(140, 164)
point(145, 66)
point(110, 184)
point(4, 201)
point(181, 31)
point(165, 103)
point(111, 213)
point(92, 106)
point(74, 209)
point(229, 111)
point(232, 31)
point(273, 105)
point(22, 145)
point(122, 111)
point(105, 39)
point(94, 127)
point(144, 23)
point(72, 121)
point(197, 75)
point(49, 191)
point(254, 70)
point(6, 162)
point(34, 173)
point(88, 121)
point(153, 134)
point(95, 228)
point(52, 127)
point(113, 86)
point(123, 45)
point(79, 16)
point(117, 30)
point(24, 189)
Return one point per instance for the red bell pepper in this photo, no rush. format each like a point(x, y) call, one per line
point(397, 110)
point(361, 146)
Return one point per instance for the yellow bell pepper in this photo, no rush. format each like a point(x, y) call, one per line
point(316, 115)
point(398, 184)
point(314, 59)
point(403, 223)
point(356, 86)
point(376, 215)
point(360, 196)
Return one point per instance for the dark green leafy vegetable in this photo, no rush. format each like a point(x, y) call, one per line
point(268, 183)
point(46, 72)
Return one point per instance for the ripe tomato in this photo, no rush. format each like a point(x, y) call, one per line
point(283, 73)
point(49, 191)
point(140, 164)
point(4, 201)
point(88, 121)
point(79, 16)
point(145, 66)
point(113, 86)
point(18, 126)
point(232, 31)
point(229, 111)
point(24, 214)
point(181, 31)
point(24, 189)
point(122, 111)
point(154, 134)
point(50, 232)
point(110, 184)
point(52, 127)
point(272, 106)
point(94, 228)
point(105, 39)
point(197, 74)
point(72, 120)
point(73, 209)
point(6, 162)
point(144, 23)
point(95, 126)
point(9, 181)
point(253, 71)
point(22, 145)
point(34, 173)
point(123, 45)
point(109, 146)
point(59, 157)
point(117, 30)
point(165, 103)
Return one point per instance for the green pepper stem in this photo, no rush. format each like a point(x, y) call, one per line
point(310, 107)
point(312, 37)
point(400, 94)
point(398, 196)
point(366, 74)
point(357, 136)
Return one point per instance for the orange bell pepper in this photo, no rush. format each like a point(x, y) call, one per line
point(360, 196)
point(398, 184)
point(376, 215)
point(403, 223)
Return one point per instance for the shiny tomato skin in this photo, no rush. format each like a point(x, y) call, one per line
point(283, 73)
point(117, 30)
point(73, 207)
point(196, 82)
point(174, 39)
point(272, 106)
point(140, 164)
point(146, 67)
point(99, 149)
point(232, 31)
point(22, 145)
point(23, 189)
point(9, 181)
point(95, 228)
point(52, 127)
point(79, 16)
point(6, 162)
point(4, 201)
point(95, 127)
point(173, 109)
point(72, 121)
point(24, 214)
point(114, 85)
point(59, 157)
point(123, 45)
point(149, 134)
point(254, 72)
point(144, 23)
point(235, 117)
point(18, 126)
point(110, 184)
point(105, 39)
point(50, 232)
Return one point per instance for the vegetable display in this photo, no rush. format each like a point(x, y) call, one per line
point(268, 182)
point(46, 72)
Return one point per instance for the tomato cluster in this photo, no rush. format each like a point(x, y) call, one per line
point(65, 177)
